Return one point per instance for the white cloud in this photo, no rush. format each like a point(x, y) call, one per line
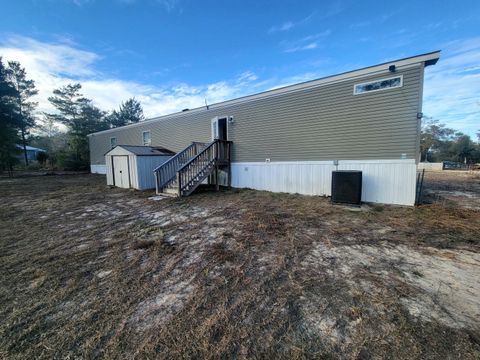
point(58, 58)
point(247, 76)
point(452, 86)
point(288, 25)
point(169, 5)
point(309, 46)
point(50, 65)
point(53, 65)
point(373, 21)
point(284, 27)
point(306, 43)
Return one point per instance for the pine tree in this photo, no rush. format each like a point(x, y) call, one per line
point(81, 118)
point(129, 112)
point(69, 102)
point(9, 120)
point(25, 89)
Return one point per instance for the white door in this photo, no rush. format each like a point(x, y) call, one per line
point(214, 128)
point(220, 128)
point(120, 171)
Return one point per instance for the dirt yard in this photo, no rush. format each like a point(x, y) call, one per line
point(453, 188)
point(87, 271)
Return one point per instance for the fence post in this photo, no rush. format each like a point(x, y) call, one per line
point(421, 188)
point(229, 165)
point(179, 181)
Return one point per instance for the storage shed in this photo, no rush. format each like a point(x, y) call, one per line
point(132, 166)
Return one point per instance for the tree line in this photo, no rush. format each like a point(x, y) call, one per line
point(440, 143)
point(21, 125)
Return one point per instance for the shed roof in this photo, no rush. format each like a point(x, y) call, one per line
point(30, 148)
point(145, 150)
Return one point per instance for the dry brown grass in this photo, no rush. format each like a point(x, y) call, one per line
point(88, 271)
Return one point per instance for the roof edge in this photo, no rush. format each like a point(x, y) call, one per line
point(128, 148)
point(430, 58)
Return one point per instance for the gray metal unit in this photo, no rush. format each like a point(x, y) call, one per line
point(320, 122)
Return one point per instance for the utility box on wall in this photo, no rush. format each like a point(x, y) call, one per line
point(347, 187)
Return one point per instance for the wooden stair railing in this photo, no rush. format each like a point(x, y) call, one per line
point(193, 172)
point(166, 174)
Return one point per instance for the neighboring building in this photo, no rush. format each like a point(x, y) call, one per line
point(32, 153)
point(290, 139)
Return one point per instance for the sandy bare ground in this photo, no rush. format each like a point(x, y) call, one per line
point(453, 188)
point(88, 271)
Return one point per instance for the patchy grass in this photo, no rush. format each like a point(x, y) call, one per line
point(88, 271)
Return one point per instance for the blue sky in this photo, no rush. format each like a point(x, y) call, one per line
point(171, 54)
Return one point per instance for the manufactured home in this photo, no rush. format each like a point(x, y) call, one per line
point(290, 139)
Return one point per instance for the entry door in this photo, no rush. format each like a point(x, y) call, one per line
point(219, 128)
point(120, 171)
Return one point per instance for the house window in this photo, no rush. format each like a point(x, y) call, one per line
point(147, 139)
point(113, 142)
point(377, 85)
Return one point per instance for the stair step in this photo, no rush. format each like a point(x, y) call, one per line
point(170, 191)
point(203, 165)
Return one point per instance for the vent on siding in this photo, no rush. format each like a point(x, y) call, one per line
point(347, 187)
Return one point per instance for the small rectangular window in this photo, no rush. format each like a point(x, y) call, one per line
point(377, 85)
point(147, 140)
point(113, 142)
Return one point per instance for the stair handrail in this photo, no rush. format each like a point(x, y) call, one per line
point(209, 145)
point(220, 152)
point(166, 172)
point(180, 153)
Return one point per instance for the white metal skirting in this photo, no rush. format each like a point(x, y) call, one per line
point(98, 169)
point(384, 181)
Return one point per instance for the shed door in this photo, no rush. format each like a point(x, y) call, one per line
point(121, 174)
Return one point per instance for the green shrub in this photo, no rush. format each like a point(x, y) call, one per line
point(70, 162)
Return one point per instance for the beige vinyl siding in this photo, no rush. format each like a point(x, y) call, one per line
point(322, 123)
point(173, 134)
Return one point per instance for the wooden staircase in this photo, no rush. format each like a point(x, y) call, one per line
point(185, 171)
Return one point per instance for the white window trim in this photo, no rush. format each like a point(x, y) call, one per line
point(372, 81)
point(143, 138)
point(113, 137)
